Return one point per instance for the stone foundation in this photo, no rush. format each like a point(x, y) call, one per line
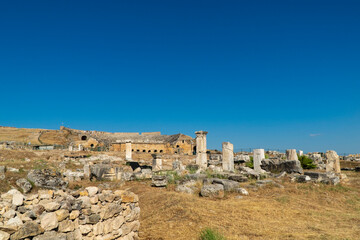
point(88, 214)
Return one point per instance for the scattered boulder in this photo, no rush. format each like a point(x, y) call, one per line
point(159, 180)
point(303, 179)
point(212, 191)
point(243, 191)
point(326, 178)
point(238, 178)
point(24, 184)
point(46, 179)
point(249, 172)
point(289, 166)
point(229, 185)
point(187, 187)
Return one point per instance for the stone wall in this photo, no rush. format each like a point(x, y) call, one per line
point(89, 214)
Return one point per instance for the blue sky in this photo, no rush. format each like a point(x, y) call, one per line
point(261, 74)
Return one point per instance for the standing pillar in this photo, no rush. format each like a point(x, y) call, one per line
point(291, 154)
point(87, 170)
point(259, 155)
point(228, 156)
point(201, 156)
point(332, 162)
point(157, 163)
point(128, 150)
point(301, 152)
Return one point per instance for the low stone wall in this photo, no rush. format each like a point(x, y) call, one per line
point(59, 215)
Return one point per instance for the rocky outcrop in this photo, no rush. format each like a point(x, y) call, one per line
point(46, 178)
point(60, 215)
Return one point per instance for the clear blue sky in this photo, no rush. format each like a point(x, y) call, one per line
point(269, 74)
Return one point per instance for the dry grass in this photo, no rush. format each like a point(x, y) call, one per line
point(299, 211)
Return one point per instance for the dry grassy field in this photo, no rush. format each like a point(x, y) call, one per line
point(297, 211)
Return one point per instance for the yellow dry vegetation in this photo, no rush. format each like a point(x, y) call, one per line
point(298, 211)
point(23, 135)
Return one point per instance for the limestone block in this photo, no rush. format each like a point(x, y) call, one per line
point(18, 199)
point(49, 221)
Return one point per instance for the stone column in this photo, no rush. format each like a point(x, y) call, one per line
point(301, 152)
point(128, 150)
point(81, 148)
point(157, 163)
point(228, 156)
point(87, 170)
point(201, 156)
point(259, 155)
point(70, 148)
point(332, 162)
point(291, 154)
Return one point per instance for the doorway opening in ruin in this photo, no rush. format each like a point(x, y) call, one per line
point(84, 138)
point(144, 150)
point(155, 150)
point(161, 151)
point(92, 145)
point(194, 150)
point(149, 151)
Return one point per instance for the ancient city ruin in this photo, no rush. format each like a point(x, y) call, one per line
point(49, 202)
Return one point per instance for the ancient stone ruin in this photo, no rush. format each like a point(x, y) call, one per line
point(89, 214)
point(201, 156)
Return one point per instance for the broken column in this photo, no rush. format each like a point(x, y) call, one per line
point(332, 162)
point(157, 163)
point(86, 170)
point(301, 152)
point(259, 155)
point(291, 154)
point(128, 150)
point(228, 156)
point(201, 156)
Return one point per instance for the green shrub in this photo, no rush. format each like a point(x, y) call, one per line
point(191, 169)
point(250, 164)
point(306, 162)
point(210, 234)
